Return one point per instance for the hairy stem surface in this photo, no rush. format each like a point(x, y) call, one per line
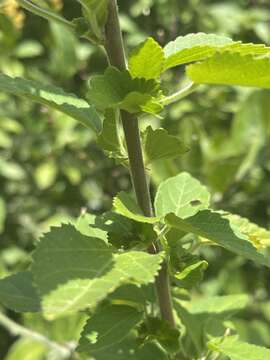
point(116, 54)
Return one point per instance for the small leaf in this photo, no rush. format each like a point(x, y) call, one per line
point(74, 272)
point(116, 89)
point(154, 149)
point(96, 12)
point(54, 97)
point(27, 349)
point(230, 68)
point(146, 60)
point(213, 226)
point(178, 195)
point(238, 350)
point(126, 206)
point(108, 327)
point(192, 47)
point(18, 293)
point(191, 275)
point(86, 225)
point(161, 331)
point(108, 138)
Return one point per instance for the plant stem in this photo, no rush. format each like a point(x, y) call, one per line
point(116, 54)
point(16, 329)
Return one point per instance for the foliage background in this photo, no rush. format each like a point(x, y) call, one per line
point(51, 168)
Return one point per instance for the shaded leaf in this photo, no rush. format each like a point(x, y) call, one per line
point(108, 327)
point(182, 195)
point(146, 60)
point(54, 97)
point(154, 149)
point(18, 293)
point(74, 272)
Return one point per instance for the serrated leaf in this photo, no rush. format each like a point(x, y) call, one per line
point(146, 60)
point(108, 327)
point(182, 195)
point(86, 225)
point(154, 149)
point(257, 235)
point(213, 226)
point(54, 97)
point(192, 47)
point(232, 69)
point(238, 350)
point(125, 205)
point(74, 272)
point(116, 89)
point(18, 293)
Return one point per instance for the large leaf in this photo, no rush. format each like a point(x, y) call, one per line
point(238, 350)
point(213, 226)
point(108, 327)
point(117, 89)
point(192, 47)
point(53, 97)
point(74, 272)
point(18, 293)
point(182, 195)
point(230, 68)
point(146, 60)
point(154, 149)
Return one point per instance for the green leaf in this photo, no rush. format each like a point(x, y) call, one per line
point(27, 349)
point(192, 47)
point(238, 350)
point(74, 272)
point(217, 304)
point(3, 213)
point(108, 327)
point(146, 60)
point(116, 89)
point(191, 275)
point(257, 235)
point(154, 149)
point(182, 195)
point(232, 69)
point(129, 349)
point(45, 174)
point(18, 293)
point(125, 205)
point(161, 331)
point(54, 97)
point(109, 138)
point(86, 225)
point(213, 226)
point(96, 12)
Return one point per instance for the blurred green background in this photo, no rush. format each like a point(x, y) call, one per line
point(52, 169)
